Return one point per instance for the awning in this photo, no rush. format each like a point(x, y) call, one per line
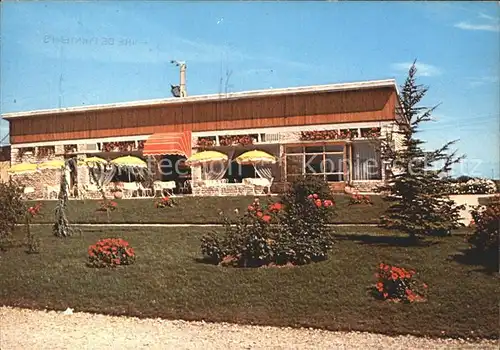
point(177, 143)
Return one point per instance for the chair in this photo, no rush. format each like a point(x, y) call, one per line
point(49, 190)
point(161, 186)
point(146, 192)
point(185, 187)
point(28, 190)
point(129, 188)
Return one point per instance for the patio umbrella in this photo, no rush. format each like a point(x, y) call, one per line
point(205, 157)
point(255, 156)
point(92, 160)
point(52, 164)
point(130, 161)
point(23, 168)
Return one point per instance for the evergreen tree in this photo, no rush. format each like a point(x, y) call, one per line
point(418, 186)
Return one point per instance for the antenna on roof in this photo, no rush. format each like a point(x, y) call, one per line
point(182, 85)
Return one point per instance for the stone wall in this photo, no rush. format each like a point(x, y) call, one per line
point(39, 180)
point(239, 190)
point(364, 186)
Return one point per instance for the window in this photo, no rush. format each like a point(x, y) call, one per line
point(366, 162)
point(326, 161)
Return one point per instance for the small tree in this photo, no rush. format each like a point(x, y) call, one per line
point(485, 238)
point(12, 210)
point(417, 190)
point(61, 226)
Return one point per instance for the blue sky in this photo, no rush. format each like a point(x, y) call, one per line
point(83, 53)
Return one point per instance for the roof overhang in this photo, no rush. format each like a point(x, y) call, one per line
point(372, 84)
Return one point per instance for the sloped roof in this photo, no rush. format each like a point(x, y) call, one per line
point(370, 84)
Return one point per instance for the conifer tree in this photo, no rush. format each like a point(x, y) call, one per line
point(418, 185)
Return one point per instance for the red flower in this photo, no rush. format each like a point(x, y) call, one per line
point(310, 196)
point(275, 207)
point(315, 196)
point(266, 218)
point(425, 286)
point(259, 214)
point(251, 208)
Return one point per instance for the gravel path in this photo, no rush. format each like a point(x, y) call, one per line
point(27, 329)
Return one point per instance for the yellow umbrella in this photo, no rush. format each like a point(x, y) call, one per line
point(52, 164)
point(206, 157)
point(92, 160)
point(130, 161)
point(23, 168)
point(253, 157)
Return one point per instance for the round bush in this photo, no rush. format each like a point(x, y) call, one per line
point(110, 252)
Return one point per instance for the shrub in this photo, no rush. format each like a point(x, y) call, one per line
point(107, 206)
point(486, 221)
point(110, 252)
point(12, 212)
point(293, 232)
point(165, 202)
point(468, 185)
point(357, 198)
point(306, 235)
point(398, 284)
point(250, 242)
point(308, 184)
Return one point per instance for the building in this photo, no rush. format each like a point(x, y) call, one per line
point(306, 128)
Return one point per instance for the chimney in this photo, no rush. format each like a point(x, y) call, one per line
point(182, 86)
point(183, 80)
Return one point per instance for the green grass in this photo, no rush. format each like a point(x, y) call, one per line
point(196, 210)
point(169, 281)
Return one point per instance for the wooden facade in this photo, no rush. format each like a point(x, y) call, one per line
point(374, 104)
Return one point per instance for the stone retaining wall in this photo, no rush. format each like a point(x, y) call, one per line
point(38, 181)
point(224, 191)
point(364, 186)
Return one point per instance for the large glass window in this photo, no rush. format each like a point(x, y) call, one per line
point(326, 161)
point(366, 162)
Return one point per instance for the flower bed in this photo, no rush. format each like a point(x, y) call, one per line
point(370, 132)
point(165, 202)
point(233, 140)
point(398, 284)
point(315, 135)
point(70, 148)
point(45, 151)
point(110, 252)
point(473, 186)
point(24, 150)
point(205, 142)
point(294, 232)
point(107, 206)
point(122, 146)
point(357, 198)
point(35, 209)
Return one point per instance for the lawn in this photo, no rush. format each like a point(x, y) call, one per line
point(169, 280)
point(196, 210)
